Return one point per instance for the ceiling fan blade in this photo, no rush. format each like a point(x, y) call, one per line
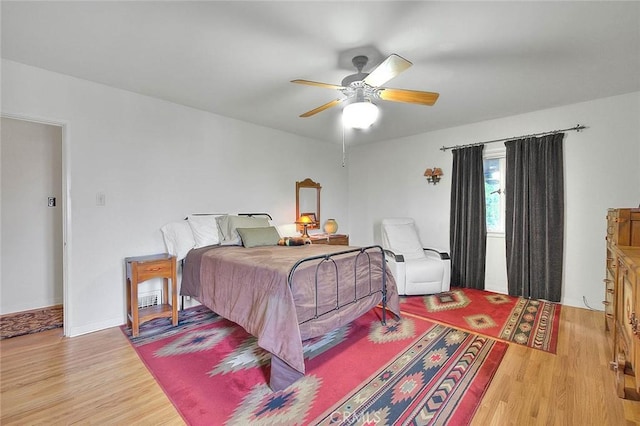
point(321, 108)
point(388, 69)
point(315, 83)
point(409, 96)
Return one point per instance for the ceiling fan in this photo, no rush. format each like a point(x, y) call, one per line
point(363, 88)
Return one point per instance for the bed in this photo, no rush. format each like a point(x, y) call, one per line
point(286, 294)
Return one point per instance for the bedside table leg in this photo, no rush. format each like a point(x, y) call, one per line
point(165, 291)
point(174, 298)
point(128, 291)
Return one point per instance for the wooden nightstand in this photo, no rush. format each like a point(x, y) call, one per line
point(331, 239)
point(143, 268)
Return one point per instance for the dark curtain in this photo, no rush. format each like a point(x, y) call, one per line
point(468, 237)
point(534, 221)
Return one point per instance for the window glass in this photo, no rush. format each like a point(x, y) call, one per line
point(494, 193)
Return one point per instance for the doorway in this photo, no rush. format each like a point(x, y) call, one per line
point(32, 219)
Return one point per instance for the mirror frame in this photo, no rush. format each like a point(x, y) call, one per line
point(308, 183)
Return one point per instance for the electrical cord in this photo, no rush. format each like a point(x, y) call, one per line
point(584, 300)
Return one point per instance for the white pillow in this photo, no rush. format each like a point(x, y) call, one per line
point(178, 238)
point(205, 229)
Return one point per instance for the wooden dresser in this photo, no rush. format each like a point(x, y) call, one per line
point(622, 298)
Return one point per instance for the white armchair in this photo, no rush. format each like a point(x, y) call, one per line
point(417, 270)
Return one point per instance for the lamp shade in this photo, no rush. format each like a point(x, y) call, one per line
point(305, 220)
point(360, 115)
point(436, 171)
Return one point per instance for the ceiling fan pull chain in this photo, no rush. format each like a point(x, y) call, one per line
point(343, 150)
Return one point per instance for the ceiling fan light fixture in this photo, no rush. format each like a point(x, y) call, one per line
point(360, 115)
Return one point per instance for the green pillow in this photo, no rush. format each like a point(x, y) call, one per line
point(255, 237)
point(228, 224)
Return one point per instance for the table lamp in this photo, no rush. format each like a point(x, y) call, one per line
point(304, 221)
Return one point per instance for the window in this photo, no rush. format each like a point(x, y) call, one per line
point(494, 193)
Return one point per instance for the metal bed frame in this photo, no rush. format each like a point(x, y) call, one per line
point(327, 259)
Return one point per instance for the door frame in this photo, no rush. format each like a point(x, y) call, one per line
point(66, 209)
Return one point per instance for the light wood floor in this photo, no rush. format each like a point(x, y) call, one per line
point(98, 379)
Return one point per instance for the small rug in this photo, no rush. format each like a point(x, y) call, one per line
point(529, 322)
point(27, 322)
point(409, 370)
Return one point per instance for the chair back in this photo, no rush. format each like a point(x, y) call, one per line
point(400, 236)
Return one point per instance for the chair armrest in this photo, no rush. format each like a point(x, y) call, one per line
point(392, 255)
point(443, 255)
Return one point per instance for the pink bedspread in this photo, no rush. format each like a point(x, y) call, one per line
point(250, 287)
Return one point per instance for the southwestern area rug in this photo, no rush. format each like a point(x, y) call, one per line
point(529, 322)
point(411, 370)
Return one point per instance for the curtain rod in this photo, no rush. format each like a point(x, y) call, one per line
point(577, 128)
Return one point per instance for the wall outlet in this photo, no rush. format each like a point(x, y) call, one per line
point(51, 201)
point(100, 199)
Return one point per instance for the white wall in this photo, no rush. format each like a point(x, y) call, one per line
point(31, 231)
point(156, 162)
point(602, 170)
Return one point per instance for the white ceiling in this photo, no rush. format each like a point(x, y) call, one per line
point(236, 58)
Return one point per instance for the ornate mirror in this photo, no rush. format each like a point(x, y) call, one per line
point(308, 201)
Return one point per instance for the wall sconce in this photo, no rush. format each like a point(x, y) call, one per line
point(433, 175)
point(304, 221)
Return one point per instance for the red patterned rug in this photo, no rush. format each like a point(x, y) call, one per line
point(408, 370)
point(533, 323)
